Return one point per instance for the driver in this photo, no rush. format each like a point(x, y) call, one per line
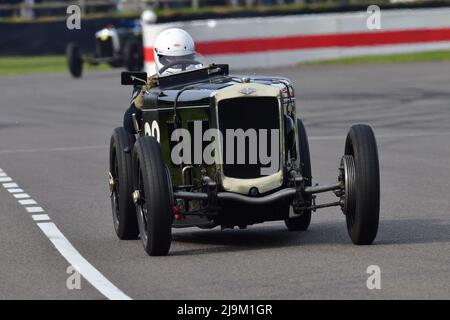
point(171, 45)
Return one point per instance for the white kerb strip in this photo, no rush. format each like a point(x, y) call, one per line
point(92, 275)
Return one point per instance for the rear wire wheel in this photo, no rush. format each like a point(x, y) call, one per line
point(124, 217)
point(74, 59)
point(362, 199)
point(153, 195)
point(302, 222)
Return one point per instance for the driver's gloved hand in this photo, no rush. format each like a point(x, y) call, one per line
point(128, 118)
point(139, 99)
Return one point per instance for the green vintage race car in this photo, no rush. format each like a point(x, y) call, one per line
point(184, 168)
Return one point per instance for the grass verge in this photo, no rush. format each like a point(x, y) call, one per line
point(58, 64)
point(430, 56)
point(12, 65)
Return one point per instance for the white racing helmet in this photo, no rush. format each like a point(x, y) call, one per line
point(174, 45)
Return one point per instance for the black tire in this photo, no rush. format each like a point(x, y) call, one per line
point(74, 60)
point(123, 210)
point(155, 207)
point(362, 220)
point(133, 55)
point(302, 222)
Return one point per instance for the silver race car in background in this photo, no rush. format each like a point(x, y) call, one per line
point(119, 47)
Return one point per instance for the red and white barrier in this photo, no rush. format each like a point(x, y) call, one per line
point(286, 40)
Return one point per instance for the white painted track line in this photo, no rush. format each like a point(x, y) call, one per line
point(34, 209)
point(21, 195)
point(92, 275)
point(40, 217)
point(64, 247)
point(10, 185)
point(27, 202)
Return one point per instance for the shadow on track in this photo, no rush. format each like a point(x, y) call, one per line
point(391, 232)
point(259, 237)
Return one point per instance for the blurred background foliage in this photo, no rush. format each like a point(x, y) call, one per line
point(38, 10)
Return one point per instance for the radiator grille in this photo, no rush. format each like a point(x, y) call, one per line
point(247, 113)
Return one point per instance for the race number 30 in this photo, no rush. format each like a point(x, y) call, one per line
point(152, 130)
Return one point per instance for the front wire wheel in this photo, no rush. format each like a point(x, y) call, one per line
point(153, 197)
point(362, 194)
point(120, 184)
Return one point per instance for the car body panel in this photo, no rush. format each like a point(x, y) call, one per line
point(197, 101)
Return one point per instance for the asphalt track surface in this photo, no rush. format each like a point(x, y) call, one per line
point(54, 136)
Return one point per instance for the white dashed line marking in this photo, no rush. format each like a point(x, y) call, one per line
point(21, 195)
point(64, 247)
point(27, 202)
point(10, 185)
point(40, 217)
point(34, 209)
